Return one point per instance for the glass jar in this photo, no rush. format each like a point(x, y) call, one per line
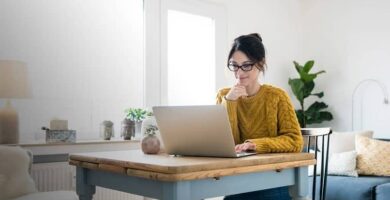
point(107, 130)
point(128, 129)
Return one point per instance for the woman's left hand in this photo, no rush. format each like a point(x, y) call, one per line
point(247, 146)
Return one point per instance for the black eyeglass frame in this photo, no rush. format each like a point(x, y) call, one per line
point(246, 67)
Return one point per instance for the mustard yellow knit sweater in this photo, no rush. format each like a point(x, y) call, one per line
point(267, 119)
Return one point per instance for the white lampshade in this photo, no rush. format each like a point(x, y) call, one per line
point(13, 80)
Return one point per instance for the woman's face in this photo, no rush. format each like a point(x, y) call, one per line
point(244, 78)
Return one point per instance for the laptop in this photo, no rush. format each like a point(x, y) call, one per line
point(196, 131)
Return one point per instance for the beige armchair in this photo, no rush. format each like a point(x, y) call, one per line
point(16, 182)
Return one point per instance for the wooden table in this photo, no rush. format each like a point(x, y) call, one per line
point(184, 178)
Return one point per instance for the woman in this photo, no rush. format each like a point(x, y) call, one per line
point(261, 116)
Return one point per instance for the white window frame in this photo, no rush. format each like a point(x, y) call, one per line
point(156, 82)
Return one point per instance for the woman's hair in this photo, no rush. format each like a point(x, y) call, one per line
point(252, 46)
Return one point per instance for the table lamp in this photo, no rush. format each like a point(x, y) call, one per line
point(13, 85)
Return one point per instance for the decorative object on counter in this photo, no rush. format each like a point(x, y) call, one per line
point(150, 143)
point(128, 129)
point(14, 84)
point(136, 115)
point(59, 133)
point(58, 124)
point(151, 121)
point(60, 136)
point(107, 130)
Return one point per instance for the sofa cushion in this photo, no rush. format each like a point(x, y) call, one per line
point(373, 156)
point(343, 141)
point(383, 191)
point(343, 164)
point(351, 188)
point(14, 177)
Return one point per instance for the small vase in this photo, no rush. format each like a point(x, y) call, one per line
point(107, 130)
point(128, 129)
point(151, 120)
point(150, 144)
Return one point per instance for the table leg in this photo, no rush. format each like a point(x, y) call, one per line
point(177, 190)
point(299, 191)
point(84, 190)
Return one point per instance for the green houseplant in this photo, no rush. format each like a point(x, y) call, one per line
point(136, 114)
point(131, 125)
point(302, 88)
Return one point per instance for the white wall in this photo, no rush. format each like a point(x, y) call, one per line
point(350, 40)
point(276, 22)
point(85, 61)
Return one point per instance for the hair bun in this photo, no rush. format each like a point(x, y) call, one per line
point(256, 35)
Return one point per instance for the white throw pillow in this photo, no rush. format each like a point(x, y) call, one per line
point(14, 177)
point(341, 164)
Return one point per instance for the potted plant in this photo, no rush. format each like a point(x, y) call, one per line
point(150, 143)
point(131, 125)
point(302, 88)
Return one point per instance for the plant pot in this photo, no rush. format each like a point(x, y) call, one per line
point(151, 120)
point(128, 129)
point(150, 144)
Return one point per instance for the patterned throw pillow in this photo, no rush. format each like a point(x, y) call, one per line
point(373, 156)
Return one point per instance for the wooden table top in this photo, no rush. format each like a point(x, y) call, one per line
point(170, 168)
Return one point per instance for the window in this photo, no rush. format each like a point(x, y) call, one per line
point(190, 41)
point(191, 59)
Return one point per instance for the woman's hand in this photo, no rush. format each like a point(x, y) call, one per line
point(236, 92)
point(247, 146)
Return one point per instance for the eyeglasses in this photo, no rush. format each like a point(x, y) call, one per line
point(244, 67)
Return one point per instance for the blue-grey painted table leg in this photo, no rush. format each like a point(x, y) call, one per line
point(83, 189)
point(299, 191)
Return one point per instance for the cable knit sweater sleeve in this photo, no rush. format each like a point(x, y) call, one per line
point(289, 137)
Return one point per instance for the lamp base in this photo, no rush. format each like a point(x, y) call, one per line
point(9, 125)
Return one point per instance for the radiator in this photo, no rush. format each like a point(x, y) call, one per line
point(61, 176)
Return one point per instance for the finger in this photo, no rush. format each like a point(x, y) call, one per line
point(240, 90)
point(250, 146)
point(241, 87)
point(239, 148)
point(243, 94)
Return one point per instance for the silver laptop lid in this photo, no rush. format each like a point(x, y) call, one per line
point(195, 130)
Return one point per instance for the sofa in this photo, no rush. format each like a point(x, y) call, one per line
point(356, 188)
point(368, 183)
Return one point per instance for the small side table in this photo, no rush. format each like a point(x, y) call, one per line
point(312, 134)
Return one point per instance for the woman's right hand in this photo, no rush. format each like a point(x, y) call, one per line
point(236, 92)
